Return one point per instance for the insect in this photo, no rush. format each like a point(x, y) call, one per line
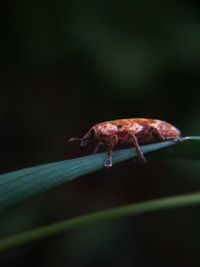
point(135, 132)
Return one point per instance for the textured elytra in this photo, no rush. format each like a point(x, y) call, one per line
point(144, 129)
point(133, 131)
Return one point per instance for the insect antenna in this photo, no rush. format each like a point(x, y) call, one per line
point(75, 139)
point(84, 141)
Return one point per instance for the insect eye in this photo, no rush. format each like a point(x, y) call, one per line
point(92, 133)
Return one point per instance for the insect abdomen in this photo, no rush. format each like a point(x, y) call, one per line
point(166, 129)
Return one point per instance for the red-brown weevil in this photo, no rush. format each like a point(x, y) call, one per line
point(134, 132)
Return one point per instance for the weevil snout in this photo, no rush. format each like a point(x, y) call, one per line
point(85, 140)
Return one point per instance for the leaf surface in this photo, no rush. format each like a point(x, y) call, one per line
point(20, 186)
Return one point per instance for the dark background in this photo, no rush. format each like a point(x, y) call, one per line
point(66, 65)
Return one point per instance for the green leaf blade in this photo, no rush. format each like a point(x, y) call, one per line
point(20, 186)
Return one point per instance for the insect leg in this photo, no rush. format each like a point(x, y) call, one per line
point(140, 155)
point(97, 147)
point(176, 140)
point(160, 137)
point(112, 141)
point(157, 133)
point(125, 140)
point(152, 130)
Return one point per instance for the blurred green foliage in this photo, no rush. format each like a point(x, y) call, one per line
point(66, 65)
